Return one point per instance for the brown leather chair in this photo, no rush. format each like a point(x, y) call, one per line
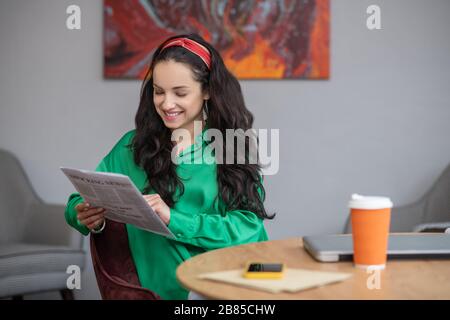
point(114, 267)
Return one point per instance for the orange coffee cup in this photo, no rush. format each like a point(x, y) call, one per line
point(370, 230)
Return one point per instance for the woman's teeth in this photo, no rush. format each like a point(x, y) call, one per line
point(173, 114)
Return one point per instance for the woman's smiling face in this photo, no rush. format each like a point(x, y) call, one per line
point(177, 96)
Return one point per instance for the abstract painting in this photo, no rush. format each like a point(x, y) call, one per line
point(258, 39)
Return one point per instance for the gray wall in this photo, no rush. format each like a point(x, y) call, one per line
point(379, 126)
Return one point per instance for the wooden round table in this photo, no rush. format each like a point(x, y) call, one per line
point(402, 279)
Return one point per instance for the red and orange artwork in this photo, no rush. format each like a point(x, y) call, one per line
point(258, 39)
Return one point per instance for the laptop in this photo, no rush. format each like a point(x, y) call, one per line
point(333, 248)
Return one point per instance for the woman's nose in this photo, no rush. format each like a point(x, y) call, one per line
point(168, 103)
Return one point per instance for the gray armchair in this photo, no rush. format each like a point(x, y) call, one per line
point(431, 213)
point(36, 245)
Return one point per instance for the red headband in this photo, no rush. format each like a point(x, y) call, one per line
point(193, 47)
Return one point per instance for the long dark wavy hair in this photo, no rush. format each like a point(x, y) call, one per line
point(239, 184)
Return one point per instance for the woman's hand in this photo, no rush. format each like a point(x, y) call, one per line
point(159, 206)
point(92, 218)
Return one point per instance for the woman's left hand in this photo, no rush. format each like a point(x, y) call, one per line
point(159, 206)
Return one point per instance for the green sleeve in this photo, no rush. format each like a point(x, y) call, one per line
point(71, 214)
point(213, 231)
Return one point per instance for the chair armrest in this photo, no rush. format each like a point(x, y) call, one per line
point(347, 225)
point(46, 225)
point(404, 218)
point(433, 227)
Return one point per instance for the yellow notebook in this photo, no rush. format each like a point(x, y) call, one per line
point(292, 281)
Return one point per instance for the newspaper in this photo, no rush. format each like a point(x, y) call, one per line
point(119, 196)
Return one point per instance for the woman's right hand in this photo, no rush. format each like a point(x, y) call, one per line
point(92, 218)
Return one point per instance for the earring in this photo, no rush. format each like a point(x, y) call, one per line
point(205, 110)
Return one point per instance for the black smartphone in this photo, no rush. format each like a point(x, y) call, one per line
point(256, 270)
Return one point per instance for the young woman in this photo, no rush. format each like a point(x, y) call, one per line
point(207, 205)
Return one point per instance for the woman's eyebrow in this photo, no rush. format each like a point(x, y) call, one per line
point(174, 88)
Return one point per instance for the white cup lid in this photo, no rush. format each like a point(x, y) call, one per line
point(368, 202)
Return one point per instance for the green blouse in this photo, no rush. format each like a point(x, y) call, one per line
point(199, 221)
